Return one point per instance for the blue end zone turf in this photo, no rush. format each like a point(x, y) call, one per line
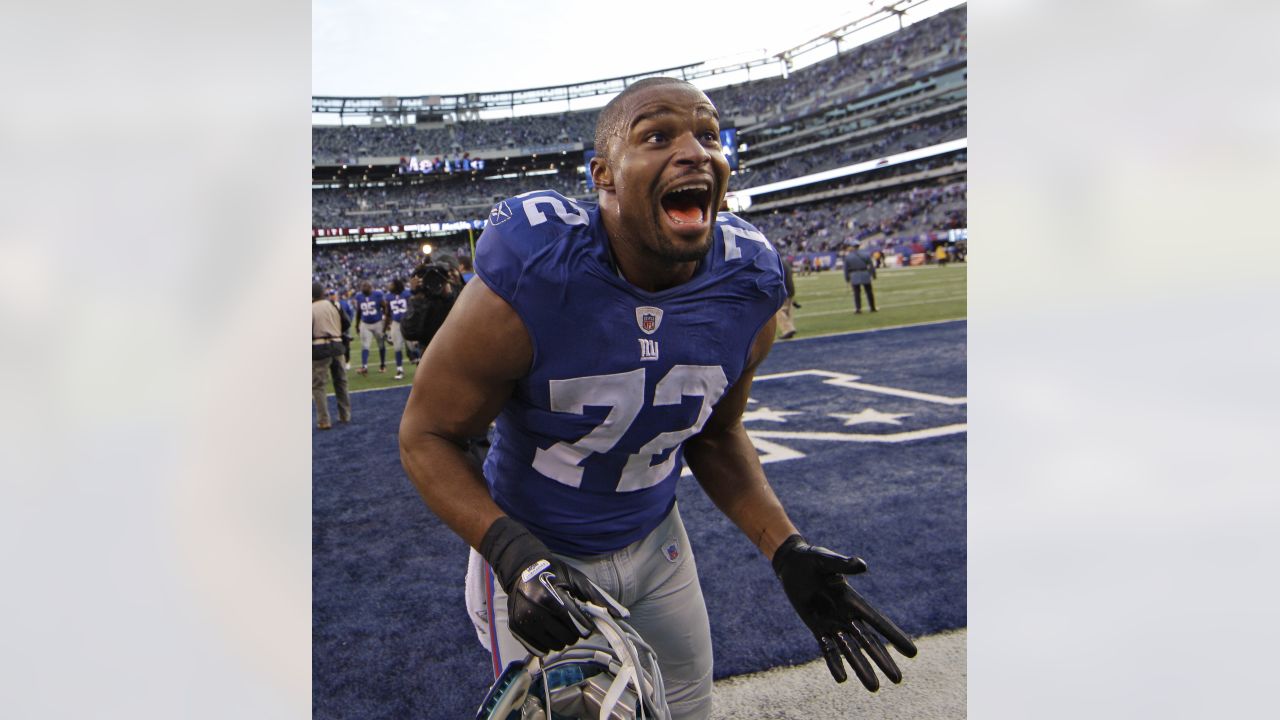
point(863, 439)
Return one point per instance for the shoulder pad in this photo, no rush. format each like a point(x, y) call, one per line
point(518, 229)
point(536, 208)
point(741, 237)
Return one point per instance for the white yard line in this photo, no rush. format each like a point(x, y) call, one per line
point(907, 436)
point(803, 314)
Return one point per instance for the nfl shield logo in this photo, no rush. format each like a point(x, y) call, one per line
point(648, 318)
point(671, 550)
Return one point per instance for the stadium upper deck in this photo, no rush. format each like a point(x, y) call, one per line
point(901, 92)
point(889, 65)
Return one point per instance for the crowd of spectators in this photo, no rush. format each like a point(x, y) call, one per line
point(866, 68)
point(468, 197)
point(530, 131)
point(882, 219)
point(890, 220)
point(925, 106)
point(348, 142)
point(860, 71)
point(946, 161)
point(367, 208)
point(907, 137)
point(441, 199)
point(344, 267)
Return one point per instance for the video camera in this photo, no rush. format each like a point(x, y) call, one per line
point(435, 279)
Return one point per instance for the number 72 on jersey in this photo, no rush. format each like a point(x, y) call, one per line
point(624, 395)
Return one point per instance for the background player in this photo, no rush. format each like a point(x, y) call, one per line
point(370, 324)
point(626, 338)
point(397, 304)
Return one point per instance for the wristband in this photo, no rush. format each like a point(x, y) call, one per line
point(780, 555)
point(509, 548)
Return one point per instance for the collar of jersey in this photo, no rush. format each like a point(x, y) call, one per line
point(609, 270)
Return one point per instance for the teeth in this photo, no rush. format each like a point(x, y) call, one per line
point(689, 188)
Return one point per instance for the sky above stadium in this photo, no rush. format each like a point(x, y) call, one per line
point(412, 47)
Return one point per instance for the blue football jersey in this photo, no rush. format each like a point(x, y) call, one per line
point(370, 306)
point(399, 304)
point(587, 452)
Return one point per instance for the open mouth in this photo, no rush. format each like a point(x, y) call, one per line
point(688, 205)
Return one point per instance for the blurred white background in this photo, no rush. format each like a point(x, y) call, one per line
point(1124, 358)
point(155, 458)
point(155, 522)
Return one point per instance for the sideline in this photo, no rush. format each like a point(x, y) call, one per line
point(776, 342)
point(935, 301)
point(871, 330)
point(934, 687)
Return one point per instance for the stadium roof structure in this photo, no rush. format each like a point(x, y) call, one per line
point(487, 100)
point(469, 105)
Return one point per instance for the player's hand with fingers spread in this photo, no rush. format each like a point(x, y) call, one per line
point(540, 589)
point(843, 622)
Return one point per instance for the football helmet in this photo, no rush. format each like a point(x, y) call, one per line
point(610, 675)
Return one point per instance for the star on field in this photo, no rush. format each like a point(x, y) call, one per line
point(870, 415)
point(768, 415)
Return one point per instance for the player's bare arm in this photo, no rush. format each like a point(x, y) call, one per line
point(728, 468)
point(458, 390)
point(847, 627)
point(466, 374)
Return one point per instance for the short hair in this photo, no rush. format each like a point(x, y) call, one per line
point(609, 121)
point(317, 291)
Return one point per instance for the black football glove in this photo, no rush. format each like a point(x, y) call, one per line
point(541, 610)
point(839, 618)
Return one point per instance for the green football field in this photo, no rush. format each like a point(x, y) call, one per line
point(904, 296)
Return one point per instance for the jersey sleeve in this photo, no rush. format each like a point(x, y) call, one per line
point(752, 246)
point(519, 230)
point(497, 261)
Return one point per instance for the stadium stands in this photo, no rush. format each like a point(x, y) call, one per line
point(904, 91)
point(881, 219)
point(848, 150)
point(344, 267)
point(912, 52)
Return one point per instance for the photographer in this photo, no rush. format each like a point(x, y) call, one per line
point(433, 287)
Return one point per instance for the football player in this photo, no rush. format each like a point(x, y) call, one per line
point(398, 303)
point(372, 308)
point(612, 343)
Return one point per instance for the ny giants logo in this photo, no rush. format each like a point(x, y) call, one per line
point(648, 349)
point(648, 318)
